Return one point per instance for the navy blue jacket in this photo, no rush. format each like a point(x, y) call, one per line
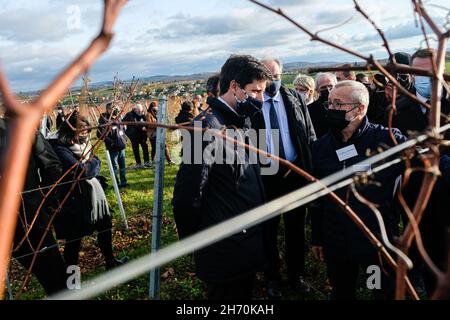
point(74, 219)
point(207, 194)
point(332, 228)
point(445, 167)
point(115, 139)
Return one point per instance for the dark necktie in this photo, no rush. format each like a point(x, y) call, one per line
point(426, 114)
point(274, 124)
point(427, 111)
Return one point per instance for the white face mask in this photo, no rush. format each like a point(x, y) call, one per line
point(305, 96)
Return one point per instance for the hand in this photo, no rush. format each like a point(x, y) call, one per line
point(318, 252)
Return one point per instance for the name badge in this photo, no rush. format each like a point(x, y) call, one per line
point(347, 152)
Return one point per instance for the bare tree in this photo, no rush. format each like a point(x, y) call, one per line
point(24, 121)
point(430, 160)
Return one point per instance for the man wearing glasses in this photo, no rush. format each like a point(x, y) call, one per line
point(325, 82)
point(336, 238)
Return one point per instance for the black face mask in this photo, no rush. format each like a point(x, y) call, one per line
point(336, 120)
point(324, 93)
point(249, 106)
point(404, 80)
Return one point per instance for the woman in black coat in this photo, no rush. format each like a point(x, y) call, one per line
point(86, 210)
point(44, 169)
point(186, 114)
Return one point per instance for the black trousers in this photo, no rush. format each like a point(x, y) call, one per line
point(434, 226)
point(104, 240)
point(343, 269)
point(135, 143)
point(49, 266)
point(294, 230)
point(239, 289)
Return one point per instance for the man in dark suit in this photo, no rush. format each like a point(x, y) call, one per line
point(284, 110)
point(325, 82)
point(410, 117)
point(213, 190)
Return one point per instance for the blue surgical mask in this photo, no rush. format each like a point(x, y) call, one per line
point(423, 86)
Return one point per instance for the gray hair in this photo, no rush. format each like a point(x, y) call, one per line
point(278, 61)
point(138, 106)
point(358, 94)
point(322, 75)
point(305, 81)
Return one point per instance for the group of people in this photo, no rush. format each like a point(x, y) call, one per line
point(78, 206)
point(322, 126)
point(138, 132)
point(191, 109)
point(65, 192)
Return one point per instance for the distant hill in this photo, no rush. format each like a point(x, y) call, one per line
point(204, 75)
point(303, 65)
point(288, 67)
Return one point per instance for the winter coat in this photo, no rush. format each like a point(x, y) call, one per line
point(115, 140)
point(332, 228)
point(207, 194)
point(74, 220)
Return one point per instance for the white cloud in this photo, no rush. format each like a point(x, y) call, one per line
point(185, 37)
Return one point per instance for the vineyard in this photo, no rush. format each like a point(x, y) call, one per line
point(154, 260)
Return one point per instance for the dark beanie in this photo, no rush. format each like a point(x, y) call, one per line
point(402, 58)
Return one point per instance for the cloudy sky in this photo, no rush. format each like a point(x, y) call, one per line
point(38, 38)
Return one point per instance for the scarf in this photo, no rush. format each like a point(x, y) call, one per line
point(82, 151)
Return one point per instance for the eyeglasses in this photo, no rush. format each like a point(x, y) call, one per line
point(276, 76)
point(337, 105)
point(402, 76)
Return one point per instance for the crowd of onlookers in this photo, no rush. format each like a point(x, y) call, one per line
point(325, 124)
